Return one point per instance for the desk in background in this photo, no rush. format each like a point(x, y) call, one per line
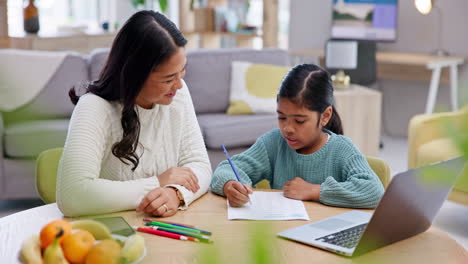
point(233, 241)
point(410, 67)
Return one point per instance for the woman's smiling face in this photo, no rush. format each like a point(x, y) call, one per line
point(162, 83)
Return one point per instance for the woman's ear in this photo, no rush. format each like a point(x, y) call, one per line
point(326, 116)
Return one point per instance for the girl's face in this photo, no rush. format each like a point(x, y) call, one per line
point(302, 128)
point(162, 83)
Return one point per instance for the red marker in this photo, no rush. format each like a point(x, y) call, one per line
point(164, 234)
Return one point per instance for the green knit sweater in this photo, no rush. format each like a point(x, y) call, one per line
point(339, 167)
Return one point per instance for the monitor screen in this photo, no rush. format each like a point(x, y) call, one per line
point(364, 19)
point(341, 55)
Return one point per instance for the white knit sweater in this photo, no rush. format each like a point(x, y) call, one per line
point(91, 180)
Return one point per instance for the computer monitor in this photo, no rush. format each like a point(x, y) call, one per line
point(365, 19)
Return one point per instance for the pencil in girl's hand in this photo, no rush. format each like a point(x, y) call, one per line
point(234, 168)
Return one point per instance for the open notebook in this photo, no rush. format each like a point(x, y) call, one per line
point(269, 206)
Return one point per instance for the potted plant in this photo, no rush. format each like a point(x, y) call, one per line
point(149, 4)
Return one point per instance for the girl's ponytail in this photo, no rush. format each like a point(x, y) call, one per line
point(334, 124)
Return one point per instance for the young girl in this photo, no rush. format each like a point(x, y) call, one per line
point(307, 157)
point(134, 141)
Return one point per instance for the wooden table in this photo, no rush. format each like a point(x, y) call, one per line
point(233, 238)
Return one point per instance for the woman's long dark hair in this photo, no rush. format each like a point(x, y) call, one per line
point(311, 86)
point(145, 41)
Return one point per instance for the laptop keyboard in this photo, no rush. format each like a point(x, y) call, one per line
point(347, 238)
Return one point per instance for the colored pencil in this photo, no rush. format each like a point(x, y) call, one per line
point(165, 234)
point(202, 238)
point(171, 223)
point(193, 230)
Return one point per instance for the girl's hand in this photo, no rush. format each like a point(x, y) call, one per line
point(180, 176)
point(160, 202)
point(301, 190)
point(237, 193)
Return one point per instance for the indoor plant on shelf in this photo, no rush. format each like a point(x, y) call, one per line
point(148, 4)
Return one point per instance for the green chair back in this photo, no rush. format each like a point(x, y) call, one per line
point(46, 173)
point(379, 166)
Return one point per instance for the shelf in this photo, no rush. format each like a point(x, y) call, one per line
point(188, 23)
point(225, 34)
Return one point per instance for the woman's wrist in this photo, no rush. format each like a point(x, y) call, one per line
point(173, 195)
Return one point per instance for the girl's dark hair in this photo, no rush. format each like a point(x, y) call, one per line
point(311, 86)
point(145, 41)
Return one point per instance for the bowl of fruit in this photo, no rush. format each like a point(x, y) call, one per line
point(82, 241)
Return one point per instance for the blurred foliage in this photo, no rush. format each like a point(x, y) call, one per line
point(260, 248)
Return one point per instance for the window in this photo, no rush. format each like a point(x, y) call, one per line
point(56, 13)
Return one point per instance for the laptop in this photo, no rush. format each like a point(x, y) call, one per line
point(407, 208)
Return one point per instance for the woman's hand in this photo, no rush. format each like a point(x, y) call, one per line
point(237, 193)
point(301, 190)
point(180, 176)
point(160, 202)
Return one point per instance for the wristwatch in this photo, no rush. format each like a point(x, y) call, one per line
point(179, 195)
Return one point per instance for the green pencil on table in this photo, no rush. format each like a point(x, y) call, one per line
point(188, 229)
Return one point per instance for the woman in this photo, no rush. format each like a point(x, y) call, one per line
point(134, 140)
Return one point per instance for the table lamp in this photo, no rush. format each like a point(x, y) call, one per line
point(341, 55)
point(424, 7)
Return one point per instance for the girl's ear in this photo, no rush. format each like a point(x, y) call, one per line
point(326, 116)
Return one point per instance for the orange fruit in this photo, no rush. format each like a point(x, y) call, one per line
point(105, 252)
point(51, 230)
point(77, 245)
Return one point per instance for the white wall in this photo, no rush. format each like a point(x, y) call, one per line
point(310, 27)
point(311, 21)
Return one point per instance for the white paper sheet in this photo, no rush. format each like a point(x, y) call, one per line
point(269, 206)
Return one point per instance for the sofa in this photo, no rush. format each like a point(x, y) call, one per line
point(42, 124)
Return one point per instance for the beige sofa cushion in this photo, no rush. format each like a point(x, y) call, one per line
point(234, 130)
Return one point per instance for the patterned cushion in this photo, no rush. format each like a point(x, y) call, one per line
point(254, 87)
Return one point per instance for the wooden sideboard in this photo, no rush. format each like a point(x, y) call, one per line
point(80, 42)
point(4, 43)
point(360, 111)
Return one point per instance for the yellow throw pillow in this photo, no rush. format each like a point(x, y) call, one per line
point(254, 87)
